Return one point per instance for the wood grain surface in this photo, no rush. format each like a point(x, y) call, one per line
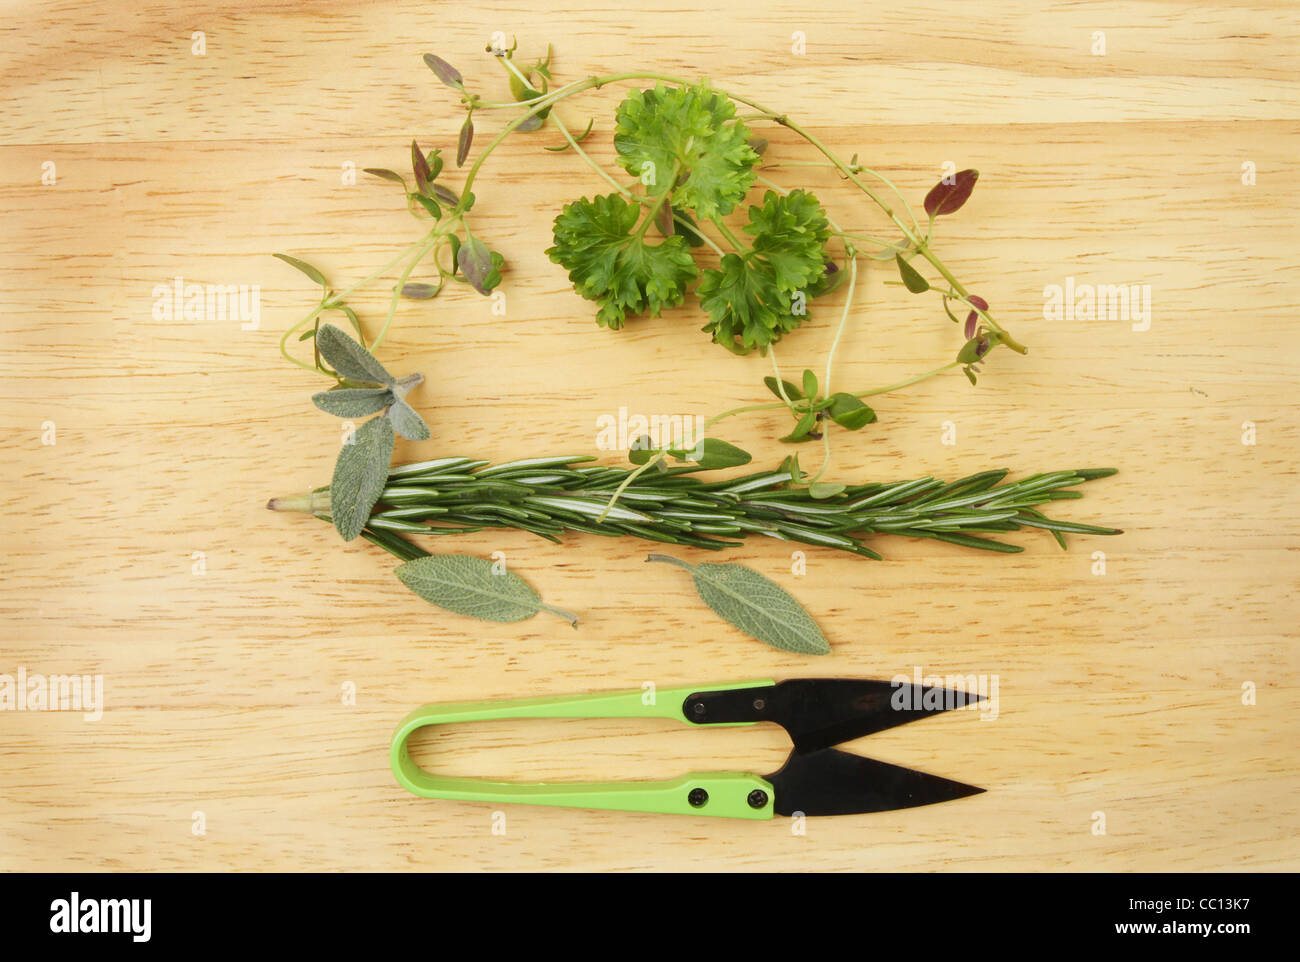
point(227, 741)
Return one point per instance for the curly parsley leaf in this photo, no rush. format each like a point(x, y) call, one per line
point(690, 130)
point(610, 264)
point(750, 297)
point(790, 234)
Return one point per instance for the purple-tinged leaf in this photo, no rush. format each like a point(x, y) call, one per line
point(463, 144)
point(446, 195)
point(973, 316)
point(386, 174)
point(664, 219)
point(444, 71)
point(947, 198)
point(419, 292)
point(420, 166)
point(475, 261)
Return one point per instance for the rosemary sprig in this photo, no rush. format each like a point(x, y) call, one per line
point(549, 496)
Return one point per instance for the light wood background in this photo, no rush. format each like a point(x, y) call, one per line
point(1121, 695)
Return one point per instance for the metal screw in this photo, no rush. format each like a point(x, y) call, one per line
point(757, 798)
point(697, 797)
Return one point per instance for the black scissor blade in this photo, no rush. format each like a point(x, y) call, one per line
point(821, 712)
point(831, 782)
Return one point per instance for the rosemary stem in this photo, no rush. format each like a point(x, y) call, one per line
point(677, 508)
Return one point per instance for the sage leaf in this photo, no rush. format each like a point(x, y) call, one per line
point(470, 586)
point(475, 262)
point(360, 475)
point(353, 402)
point(407, 422)
point(947, 198)
point(757, 606)
point(349, 358)
point(912, 279)
point(303, 266)
point(444, 71)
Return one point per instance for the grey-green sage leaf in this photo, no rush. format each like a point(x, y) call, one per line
point(353, 402)
point(475, 587)
point(349, 358)
point(360, 475)
point(757, 606)
point(407, 422)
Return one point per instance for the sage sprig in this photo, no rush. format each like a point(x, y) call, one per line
point(757, 606)
point(365, 387)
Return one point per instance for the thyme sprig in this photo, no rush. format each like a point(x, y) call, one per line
point(693, 159)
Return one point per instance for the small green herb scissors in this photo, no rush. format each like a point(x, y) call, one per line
point(817, 779)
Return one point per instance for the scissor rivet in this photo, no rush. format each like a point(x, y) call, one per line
point(757, 798)
point(697, 797)
point(759, 704)
point(698, 708)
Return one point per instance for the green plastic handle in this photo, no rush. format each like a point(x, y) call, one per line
point(727, 794)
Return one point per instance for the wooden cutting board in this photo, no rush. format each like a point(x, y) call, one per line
point(254, 667)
